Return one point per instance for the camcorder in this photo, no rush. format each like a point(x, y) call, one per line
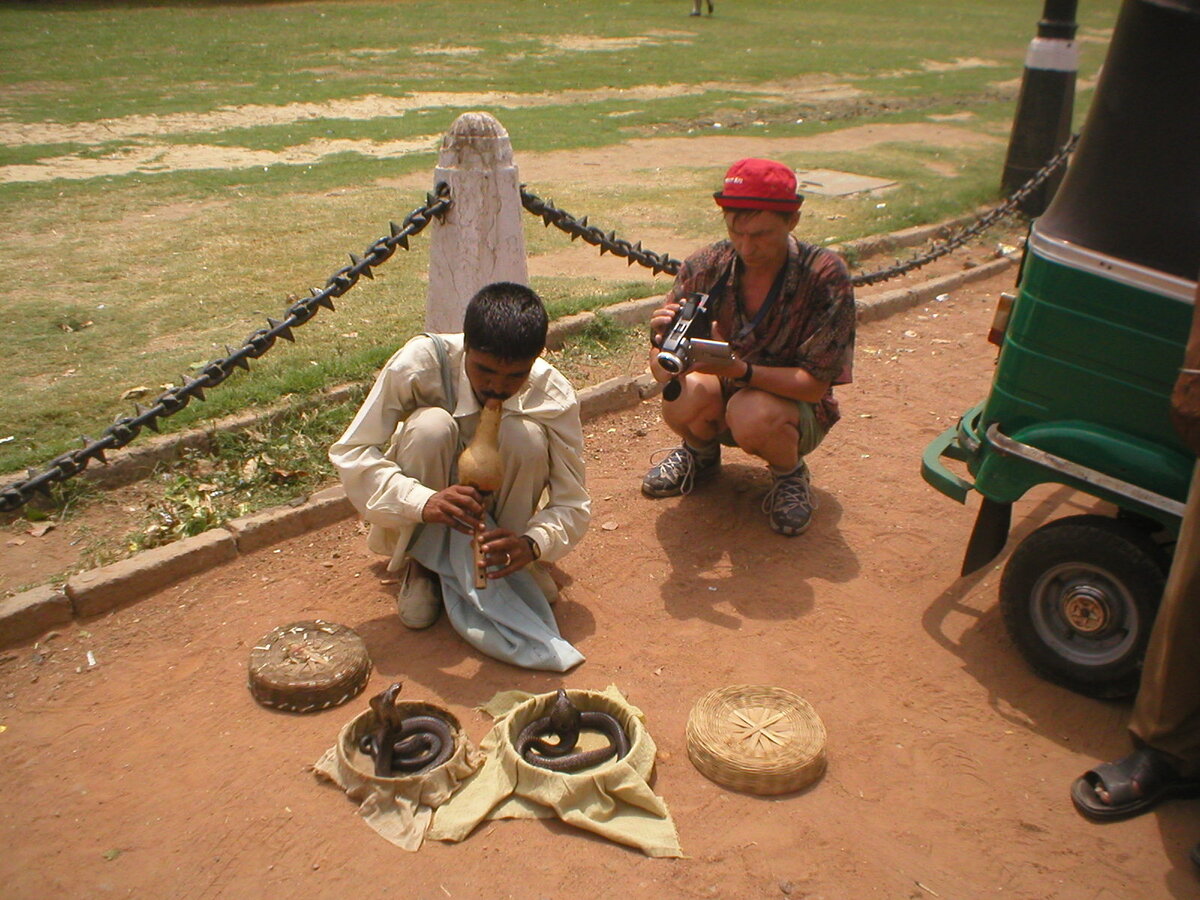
point(687, 343)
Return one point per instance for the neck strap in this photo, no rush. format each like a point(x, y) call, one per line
point(772, 297)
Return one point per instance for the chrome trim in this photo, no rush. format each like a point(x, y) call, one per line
point(1010, 447)
point(1120, 270)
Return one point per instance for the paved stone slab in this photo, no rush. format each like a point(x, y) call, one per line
point(99, 590)
point(832, 183)
point(29, 613)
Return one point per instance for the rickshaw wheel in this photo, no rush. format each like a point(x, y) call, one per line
point(1079, 596)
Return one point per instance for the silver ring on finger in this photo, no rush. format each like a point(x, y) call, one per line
point(507, 558)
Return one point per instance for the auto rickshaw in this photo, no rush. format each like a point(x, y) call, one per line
point(1090, 347)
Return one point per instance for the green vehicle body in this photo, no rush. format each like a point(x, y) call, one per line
point(1089, 358)
point(1090, 351)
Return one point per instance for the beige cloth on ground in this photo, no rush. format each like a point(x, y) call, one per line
point(399, 809)
point(613, 800)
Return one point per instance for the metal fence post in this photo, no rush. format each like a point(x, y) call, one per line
point(1045, 105)
point(480, 239)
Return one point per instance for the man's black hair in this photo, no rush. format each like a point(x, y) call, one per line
point(507, 321)
point(740, 214)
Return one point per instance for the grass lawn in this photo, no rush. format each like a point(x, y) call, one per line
point(171, 174)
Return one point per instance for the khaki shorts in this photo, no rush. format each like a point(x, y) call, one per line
point(811, 432)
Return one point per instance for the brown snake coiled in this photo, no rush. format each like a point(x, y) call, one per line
point(405, 745)
point(566, 721)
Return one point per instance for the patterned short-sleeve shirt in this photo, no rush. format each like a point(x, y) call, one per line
point(810, 326)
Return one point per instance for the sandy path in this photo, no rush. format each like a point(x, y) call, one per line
point(155, 774)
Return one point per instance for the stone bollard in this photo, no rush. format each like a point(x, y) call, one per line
point(480, 239)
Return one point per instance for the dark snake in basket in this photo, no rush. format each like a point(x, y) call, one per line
point(566, 721)
point(405, 745)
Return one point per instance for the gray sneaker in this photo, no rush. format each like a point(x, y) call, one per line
point(790, 502)
point(419, 600)
point(679, 472)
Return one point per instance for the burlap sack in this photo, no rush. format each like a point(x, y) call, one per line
point(613, 799)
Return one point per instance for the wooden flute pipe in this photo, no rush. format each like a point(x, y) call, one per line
point(479, 465)
point(481, 579)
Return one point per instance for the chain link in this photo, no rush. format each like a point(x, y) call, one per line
point(661, 262)
point(610, 243)
point(981, 224)
point(171, 401)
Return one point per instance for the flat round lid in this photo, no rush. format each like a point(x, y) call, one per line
point(756, 738)
point(307, 666)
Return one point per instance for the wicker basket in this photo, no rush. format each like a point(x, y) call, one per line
point(365, 722)
point(756, 738)
point(308, 666)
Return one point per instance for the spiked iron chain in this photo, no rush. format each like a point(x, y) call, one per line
point(579, 228)
point(981, 224)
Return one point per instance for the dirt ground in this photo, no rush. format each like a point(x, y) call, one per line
point(153, 773)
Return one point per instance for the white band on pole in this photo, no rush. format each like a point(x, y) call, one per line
point(1054, 54)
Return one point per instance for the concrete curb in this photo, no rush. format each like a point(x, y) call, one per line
point(28, 614)
point(879, 306)
point(906, 237)
point(101, 590)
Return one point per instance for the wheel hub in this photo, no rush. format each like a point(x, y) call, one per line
point(1087, 609)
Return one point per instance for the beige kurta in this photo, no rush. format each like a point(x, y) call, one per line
point(541, 441)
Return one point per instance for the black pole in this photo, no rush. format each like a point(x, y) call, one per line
point(1045, 105)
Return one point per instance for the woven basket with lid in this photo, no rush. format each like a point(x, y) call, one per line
point(756, 738)
point(308, 666)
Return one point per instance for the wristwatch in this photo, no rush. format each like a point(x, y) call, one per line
point(744, 380)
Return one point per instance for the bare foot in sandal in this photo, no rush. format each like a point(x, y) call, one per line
point(1132, 785)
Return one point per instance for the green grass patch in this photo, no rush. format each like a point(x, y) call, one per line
point(190, 206)
point(243, 473)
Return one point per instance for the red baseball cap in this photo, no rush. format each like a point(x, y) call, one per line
point(759, 184)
